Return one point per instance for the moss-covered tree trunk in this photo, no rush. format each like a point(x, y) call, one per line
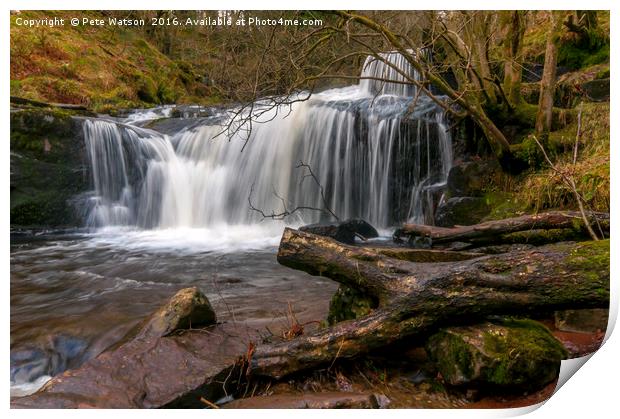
point(417, 298)
point(544, 116)
point(513, 45)
point(494, 231)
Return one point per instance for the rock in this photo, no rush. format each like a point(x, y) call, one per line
point(461, 211)
point(171, 371)
point(323, 400)
point(156, 368)
point(470, 178)
point(514, 354)
point(48, 167)
point(348, 303)
point(582, 321)
point(596, 90)
point(188, 308)
point(342, 231)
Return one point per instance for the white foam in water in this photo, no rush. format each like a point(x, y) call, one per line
point(24, 389)
point(149, 114)
point(220, 238)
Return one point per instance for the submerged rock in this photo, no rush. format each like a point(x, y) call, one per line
point(582, 321)
point(342, 231)
point(188, 308)
point(518, 354)
point(322, 400)
point(461, 211)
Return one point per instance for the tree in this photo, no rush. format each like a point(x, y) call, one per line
point(515, 22)
point(547, 83)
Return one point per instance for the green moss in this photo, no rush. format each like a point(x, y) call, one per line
point(460, 362)
point(503, 205)
point(46, 162)
point(97, 68)
point(42, 208)
point(348, 304)
point(512, 352)
point(506, 352)
point(539, 237)
point(592, 259)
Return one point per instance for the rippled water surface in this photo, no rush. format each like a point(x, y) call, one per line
point(73, 297)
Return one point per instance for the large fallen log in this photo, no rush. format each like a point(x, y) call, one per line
point(417, 298)
point(492, 231)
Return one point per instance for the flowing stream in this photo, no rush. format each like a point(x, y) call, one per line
point(173, 210)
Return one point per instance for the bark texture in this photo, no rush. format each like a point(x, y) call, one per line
point(417, 298)
point(492, 231)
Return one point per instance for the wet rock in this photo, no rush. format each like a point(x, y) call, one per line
point(582, 321)
point(156, 368)
point(324, 400)
point(461, 211)
point(171, 371)
point(47, 167)
point(516, 354)
point(188, 308)
point(596, 90)
point(470, 178)
point(342, 231)
point(348, 303)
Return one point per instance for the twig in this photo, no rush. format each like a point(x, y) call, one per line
point(576, 148)
point(285, 211)
point(208, 403)
point(336, 357)
point(570, 182)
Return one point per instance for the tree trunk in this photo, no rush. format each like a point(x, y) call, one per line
point(547, 83)
point(513, 43)
point(417, 298)
point(491, 231)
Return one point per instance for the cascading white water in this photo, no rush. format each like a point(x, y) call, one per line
point(392, 66)
point(375, 157)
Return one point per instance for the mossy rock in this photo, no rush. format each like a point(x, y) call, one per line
point(48, 168)
point(461, 211)
point(472, 178)
point(348, 303)
point(509, 353)
point(188, 308)
point(503, 205)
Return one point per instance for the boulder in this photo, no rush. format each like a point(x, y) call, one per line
point(188, 308)
point(342, 231)
point(461, 211)
point(470, 178)
point(322, 400)
point(508, 353)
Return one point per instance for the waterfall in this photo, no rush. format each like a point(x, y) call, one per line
point(392, 66)
point(375, 155)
